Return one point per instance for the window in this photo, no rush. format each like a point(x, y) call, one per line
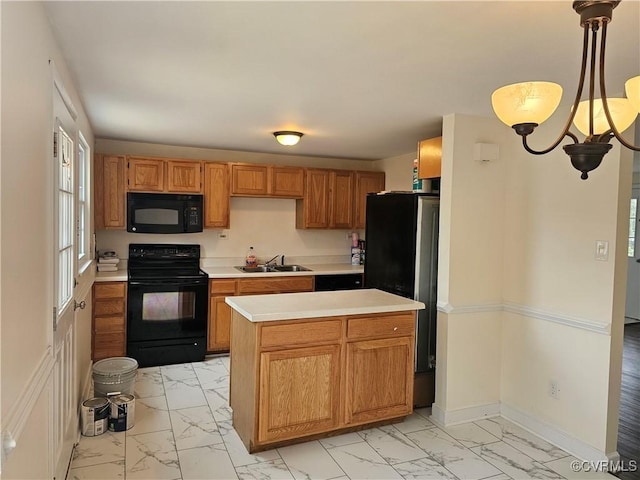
point(84, 196)
point(65, 218)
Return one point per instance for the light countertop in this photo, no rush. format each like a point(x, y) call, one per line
point(117, 276)
point(232, 272)
point(287, 306)
point(316, 269)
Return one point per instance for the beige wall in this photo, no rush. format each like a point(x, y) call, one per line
point(266, 224)
point(517, 275)
point(469, 268)
point(556, 272)
point(26, 258)
point(553, 221)
point(398, 171)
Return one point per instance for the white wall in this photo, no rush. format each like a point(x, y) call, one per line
point(267, 224)
point(522, 300)
point(553, 220)
point(398, 171)
point(26, 257)
point(469, 270)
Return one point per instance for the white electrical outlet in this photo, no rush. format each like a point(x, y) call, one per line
point(553, 389)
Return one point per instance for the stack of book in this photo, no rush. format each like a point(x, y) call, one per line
point(108, 261)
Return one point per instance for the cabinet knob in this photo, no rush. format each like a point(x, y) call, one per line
point(80, 305)
point(395, 328)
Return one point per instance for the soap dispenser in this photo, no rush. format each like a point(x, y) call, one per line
point(251, 260)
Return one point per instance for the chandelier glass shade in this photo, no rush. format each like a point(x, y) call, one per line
point(621, 110)
point(524, 106)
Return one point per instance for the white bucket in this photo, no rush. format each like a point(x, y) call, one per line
point(114, 375)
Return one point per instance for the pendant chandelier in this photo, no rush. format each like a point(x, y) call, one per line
point(523, 106)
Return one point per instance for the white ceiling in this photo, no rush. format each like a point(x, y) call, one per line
point(362, 80)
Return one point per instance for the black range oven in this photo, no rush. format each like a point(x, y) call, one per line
point(167, 304)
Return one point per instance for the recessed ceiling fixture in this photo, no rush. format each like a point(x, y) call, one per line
point(523, 106)
point(287, 137)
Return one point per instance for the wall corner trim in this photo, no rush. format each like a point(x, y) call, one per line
point(524, 310)
point(584, 324)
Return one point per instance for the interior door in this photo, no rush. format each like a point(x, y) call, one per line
point(64, 402)
point(632, 310)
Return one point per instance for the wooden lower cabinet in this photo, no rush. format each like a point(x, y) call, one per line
point(108, 331)
point(376, 383)
point(296, 379)
point(219, 331)
point(299, 392)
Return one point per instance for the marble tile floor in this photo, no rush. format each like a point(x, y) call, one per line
point(183, 431)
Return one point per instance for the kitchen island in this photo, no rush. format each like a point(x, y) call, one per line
point(313, 364)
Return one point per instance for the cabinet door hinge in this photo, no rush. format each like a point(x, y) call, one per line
point(55, 144)
point(55, 319)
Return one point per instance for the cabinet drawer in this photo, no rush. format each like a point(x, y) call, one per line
point(301, 333)
point(109, 324)
point(395, 325)
point(108, 307)
point(275, 285)
point(222, 286)
point(109, 290)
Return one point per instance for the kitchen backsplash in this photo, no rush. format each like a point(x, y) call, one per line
point(268, 225)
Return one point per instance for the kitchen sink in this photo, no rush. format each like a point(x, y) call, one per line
point(291, 268)
point(274, 268)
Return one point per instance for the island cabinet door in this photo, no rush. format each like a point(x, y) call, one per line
point(379, 379)
point(299, 392)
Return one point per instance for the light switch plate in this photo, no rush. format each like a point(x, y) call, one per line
point(602, 250)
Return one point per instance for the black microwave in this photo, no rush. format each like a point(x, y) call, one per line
point(164, 213)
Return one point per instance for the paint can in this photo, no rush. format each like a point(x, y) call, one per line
point(95, 416)
point(123, 410)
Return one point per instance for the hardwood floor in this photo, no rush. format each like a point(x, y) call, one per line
point(629, 427)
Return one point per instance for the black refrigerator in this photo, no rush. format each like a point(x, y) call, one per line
point(402, 258)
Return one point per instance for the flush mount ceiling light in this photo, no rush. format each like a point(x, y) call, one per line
point(287, 137)
point(524, 106)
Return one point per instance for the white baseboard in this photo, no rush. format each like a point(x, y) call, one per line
point(463, 415)
point(556, 436)
point(544, 430)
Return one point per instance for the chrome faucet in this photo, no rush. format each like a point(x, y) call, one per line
point(274, 258)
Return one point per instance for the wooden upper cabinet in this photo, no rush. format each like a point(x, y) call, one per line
point(328, 200)
point(366, 182)
point(287, 182)
point(146, 174)
point(341, 199)
point(313, 211)
point(109, 184)
point(430, 158)
point(216, 195)
point(249, 180)
point(255, 180)
point(184, 176)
